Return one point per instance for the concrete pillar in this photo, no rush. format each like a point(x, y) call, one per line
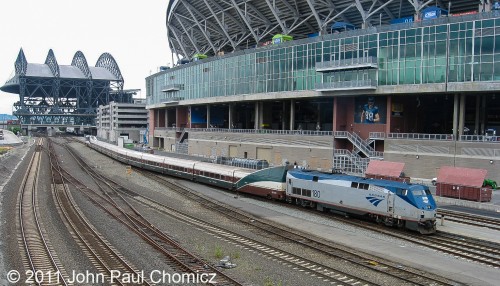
point(257, 116)
point(455, 116)
point(334, 114)
point(283, 123)
point(166, 117)
point(230, 121)
point(388, 115)
point(261, 115)
point(208, 116)
point(157, 117)
point(483, 115)
point(476, 121)
point(292, 114)
point(461, 119)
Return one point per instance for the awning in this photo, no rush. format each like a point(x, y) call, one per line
point(462, 176)
point(385, 168)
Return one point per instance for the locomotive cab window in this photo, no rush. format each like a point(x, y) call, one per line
point(354, 185)
point(363, 186)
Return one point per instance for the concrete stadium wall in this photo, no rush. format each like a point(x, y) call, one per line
point(432, 155)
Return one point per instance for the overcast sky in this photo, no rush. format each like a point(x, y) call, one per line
point(133, 32)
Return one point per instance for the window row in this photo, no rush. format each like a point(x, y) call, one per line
point(301, 192)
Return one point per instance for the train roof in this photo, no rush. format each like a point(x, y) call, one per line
point(202, 166)
point(222, 169)
point(309, 174)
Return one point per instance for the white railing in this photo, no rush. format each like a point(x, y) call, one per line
point(376, 135)
point(346, 85)
point(262, 131)
point(480, 138)
point(420, 136)
point(370, 62)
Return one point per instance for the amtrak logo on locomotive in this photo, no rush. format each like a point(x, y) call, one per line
point(375, 201)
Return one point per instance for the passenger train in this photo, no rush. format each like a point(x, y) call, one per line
point(391, 203)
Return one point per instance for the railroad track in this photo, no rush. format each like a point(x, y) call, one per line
point(471, 249)
point(414, 276)
point(470, 219)
point(102, 255)
point(115, 204)
point(41, 259)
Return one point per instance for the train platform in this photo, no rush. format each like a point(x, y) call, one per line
point(10, 139)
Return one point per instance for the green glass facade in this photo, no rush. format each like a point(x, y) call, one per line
point(455, 49)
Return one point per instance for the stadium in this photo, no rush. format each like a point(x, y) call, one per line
point(53, 95)
point(332, 84)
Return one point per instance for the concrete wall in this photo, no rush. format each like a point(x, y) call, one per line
point(424, 158)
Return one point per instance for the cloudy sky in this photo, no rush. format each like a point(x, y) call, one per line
point(133, 32)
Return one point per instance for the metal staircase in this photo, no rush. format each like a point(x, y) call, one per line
point(348, 162)
point(352, 162)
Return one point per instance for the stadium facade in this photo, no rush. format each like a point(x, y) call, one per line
point(332, 83)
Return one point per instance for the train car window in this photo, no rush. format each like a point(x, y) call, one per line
point(354, 185)
point(315, 178)
point(290, 181)
point(427, 192)
point(308, 193)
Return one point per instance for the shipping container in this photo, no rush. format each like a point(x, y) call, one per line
point(463, 192)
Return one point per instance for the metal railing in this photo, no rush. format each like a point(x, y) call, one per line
point(480, 138)
point(420, 136)
point(261, 131)
point(361, 144)
point(369, 62)
point(377, 135)
point(349, 162)
point(172, 87)
point(345, 85)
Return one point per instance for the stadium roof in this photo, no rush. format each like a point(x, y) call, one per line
point(212, 26)
point(106, 69)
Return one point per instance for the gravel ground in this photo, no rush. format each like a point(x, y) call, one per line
point(9, 163)
point(142, 256)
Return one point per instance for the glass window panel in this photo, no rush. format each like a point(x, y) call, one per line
point(496, 74)
point(486, 71)
point(487, 45)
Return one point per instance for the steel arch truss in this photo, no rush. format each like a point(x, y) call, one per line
point(213, 26)
point(107, 61)
point(21, 64)
point(51, 62)
point(80, 62)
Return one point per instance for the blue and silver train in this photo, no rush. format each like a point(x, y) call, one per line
point(389, 202)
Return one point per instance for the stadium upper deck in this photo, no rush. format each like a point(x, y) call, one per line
point(211, 26)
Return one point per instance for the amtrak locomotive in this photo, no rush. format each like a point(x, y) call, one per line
point(389, 202)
